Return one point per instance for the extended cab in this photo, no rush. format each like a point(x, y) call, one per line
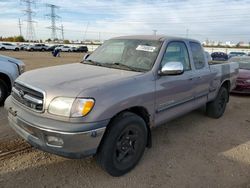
point(10, 69)
point(107, 104)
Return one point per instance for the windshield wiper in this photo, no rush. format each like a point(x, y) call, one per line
point(121, 65)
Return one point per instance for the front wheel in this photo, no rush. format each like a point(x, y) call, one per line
point(123, 145)
point(3, 92)
point(216, 108)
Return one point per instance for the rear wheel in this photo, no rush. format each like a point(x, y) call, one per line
point(16, 49)
point(3, 48)
point(216, 108)
point(3, 92)
point(123, 145)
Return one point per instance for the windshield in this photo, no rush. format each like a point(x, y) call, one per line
point(244, 62)
point(128, 54)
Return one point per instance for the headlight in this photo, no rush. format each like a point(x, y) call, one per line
point(82, 107)
point(247, 81)
point(70, 107)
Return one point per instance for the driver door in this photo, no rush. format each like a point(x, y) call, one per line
point(174, 93)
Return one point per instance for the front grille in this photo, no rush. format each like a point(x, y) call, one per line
point(27, 96)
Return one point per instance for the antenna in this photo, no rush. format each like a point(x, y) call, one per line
point(187, 33)
point(20, 27)
point(53, 17)
point(29, 13)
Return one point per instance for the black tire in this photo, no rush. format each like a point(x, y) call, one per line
point(216, 108)
point(3, 48)
point(17, 49)
point(31, 49)
point(3, 92)
point(123, 145)
point(43, 50)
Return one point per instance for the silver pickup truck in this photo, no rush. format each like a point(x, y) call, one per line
point(107, 104)
point(10, 69)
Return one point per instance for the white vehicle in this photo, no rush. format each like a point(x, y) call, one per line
point(8, 46)
point(65, 48)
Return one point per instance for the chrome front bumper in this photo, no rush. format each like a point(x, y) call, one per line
point(76, 144)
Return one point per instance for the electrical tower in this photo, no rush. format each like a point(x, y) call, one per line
point(20, 27)
point(62, 30)
point(30, 36)
point(53, 17)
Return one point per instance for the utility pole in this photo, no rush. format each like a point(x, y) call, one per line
point(85, 33)
point(20, 27)
point(62, 30)
point(154, 32)
point(29, 13)
point(53, 17)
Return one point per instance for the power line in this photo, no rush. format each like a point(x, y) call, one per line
point(53, 17)
point(30, 36)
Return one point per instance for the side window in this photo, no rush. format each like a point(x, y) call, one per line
point(198, 55)
point(177, 52)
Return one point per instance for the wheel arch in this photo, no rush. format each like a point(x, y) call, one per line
point(227, 85)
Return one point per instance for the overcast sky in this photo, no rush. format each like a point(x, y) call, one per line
point(224, 20)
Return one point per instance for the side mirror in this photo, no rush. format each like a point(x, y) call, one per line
point(85, 57)
point(172, 68)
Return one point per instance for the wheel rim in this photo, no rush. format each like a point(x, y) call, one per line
point(126, 146)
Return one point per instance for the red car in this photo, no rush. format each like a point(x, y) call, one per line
point(243, 80)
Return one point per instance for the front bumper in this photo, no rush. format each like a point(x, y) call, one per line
point(76, 144)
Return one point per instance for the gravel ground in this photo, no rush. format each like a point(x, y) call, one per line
point(192, 151)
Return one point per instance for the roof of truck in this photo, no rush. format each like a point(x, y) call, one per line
point(153, 37)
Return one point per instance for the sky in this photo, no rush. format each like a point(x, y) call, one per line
point(219, 20)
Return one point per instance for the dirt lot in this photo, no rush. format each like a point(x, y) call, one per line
point(192, 151)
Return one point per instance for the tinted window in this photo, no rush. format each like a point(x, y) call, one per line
point(198, 55)
point(177, 52)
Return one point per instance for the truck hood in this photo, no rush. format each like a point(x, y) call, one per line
point(70, 80)
point(11, 60)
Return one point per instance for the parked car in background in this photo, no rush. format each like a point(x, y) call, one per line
point(52, 48)
point(10, 69)
point(65, 48)
point(107, 104)
point(219, 56)
point(36, 47)
point(82, 49)
point(243, 79)
point(233, 54)
point(23, 46)
point(8, 46)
